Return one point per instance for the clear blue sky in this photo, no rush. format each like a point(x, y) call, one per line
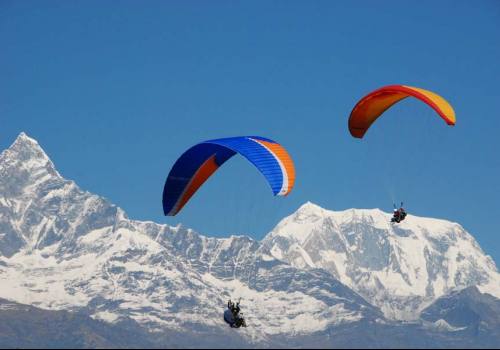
point(115, 91)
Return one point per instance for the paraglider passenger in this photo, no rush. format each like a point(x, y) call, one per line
point(235, 319)
point(399, 214)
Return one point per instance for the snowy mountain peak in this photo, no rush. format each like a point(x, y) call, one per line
point(309, 207)
point(312, 209)
point(398, 267)
point(25, 158)
point(28, 147)
point(310, 212)
point(302, 222)
point(39, 207)
point(23, 137)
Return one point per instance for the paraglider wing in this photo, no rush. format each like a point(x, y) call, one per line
point(199, 162)
point(370, 107)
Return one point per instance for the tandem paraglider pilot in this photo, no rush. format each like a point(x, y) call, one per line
point(232, 315)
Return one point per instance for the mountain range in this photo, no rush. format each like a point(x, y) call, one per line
point(78, 272)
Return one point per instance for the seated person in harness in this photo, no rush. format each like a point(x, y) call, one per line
point(399, 214)
point(233, 316)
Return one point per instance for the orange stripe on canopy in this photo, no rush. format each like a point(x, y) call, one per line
point(199, 178)
point(370, 107)
point(285, 159)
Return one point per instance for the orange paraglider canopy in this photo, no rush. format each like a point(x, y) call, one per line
point(370, 107)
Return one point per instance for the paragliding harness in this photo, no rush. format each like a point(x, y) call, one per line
point(233, 316)
point(399, 214)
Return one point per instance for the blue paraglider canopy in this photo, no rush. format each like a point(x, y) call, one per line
point(199, 162)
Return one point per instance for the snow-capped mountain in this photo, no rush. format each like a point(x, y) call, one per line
point(316, 280)
point(400, 268)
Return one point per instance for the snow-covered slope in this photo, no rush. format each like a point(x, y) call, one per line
point(399, 268)
point(64, 248)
